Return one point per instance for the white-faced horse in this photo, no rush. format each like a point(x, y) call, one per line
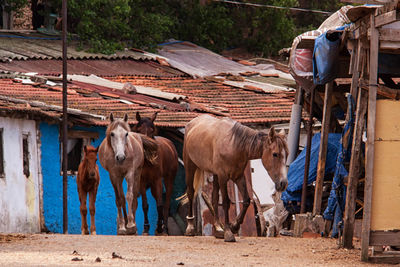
point(123, 153)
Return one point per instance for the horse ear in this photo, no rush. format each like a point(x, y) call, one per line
point(126, 117)
point(271, 133)
point(282, 133)
point(97, 149)
point(85, 149)
point(153, 118)
point(138, 118)
point(111, 117)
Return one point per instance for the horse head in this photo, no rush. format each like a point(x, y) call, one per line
point(117, 136)
point(275, 152)
point(90, 157)
point(145, 125)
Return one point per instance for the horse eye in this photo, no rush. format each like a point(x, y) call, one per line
point(275, 155)
point(126, 135)
point(112, 134)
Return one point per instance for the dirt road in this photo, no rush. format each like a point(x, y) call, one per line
point(76, 250)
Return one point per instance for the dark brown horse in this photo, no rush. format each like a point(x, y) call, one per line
point(123, 153)
point(88, 180)
point(165, 167)
point(223, 147)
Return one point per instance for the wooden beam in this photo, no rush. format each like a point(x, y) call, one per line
point(323, 148)
point(354, 171)
point(386, 18)
point(308, 152)
point(385, 238)
point(83, 134)
point(376, 2)
point(369, 165)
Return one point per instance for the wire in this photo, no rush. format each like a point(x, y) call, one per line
point(276, 7)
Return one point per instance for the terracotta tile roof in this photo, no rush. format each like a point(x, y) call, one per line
point(90, 102)
point(245, 106)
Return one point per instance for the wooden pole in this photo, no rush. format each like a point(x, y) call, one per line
point(326, 119)
point(308, 153)
point(354, 172)
point(369, 165)
point(65, 119)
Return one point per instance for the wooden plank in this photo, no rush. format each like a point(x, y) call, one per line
point(369, 165)
point(387, 120)
point(376, 2)
point(385, 259)
point(385, 238)
point(83, 134)
point(354, 171)
point(392, 35)
point(356, 71)
point(386, 18)
point(385, 212)
point(326, 119)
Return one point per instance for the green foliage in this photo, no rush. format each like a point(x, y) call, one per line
point(13, 5)
point(109, 25)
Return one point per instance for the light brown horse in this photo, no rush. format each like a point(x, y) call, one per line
point(223, 147)
point(123, 153)
point(88, 180)
point(166, 167)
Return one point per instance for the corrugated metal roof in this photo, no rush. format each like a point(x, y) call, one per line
point(37, 46)
point(201, 62)
point(99, 67)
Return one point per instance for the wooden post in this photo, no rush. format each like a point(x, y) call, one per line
point(354, 171)
point(369, 165)
point(308, 153)
point(326, 119)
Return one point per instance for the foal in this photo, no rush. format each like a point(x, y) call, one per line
point(88, 181)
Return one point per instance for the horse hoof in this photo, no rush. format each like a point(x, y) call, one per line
point(145, 233)
point(131, 230)
point(121, 232)
point(229, 237)
point(189, 232)
point(163, 233)
point(219, 234)
point(93, 233)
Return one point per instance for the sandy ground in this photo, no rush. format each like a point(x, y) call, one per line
point(76, 250)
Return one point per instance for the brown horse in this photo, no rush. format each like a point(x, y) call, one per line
point(88, 180)
point(223, 147)
point(166, 167)
point(123, 153)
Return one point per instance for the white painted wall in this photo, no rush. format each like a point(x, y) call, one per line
point(262, 183)
point(19, 195)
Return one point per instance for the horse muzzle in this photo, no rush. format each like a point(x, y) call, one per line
point(120, 158)
point(281, 185)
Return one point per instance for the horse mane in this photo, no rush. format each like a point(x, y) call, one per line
point(252, 141)
point(247, 139)
point(150, 149)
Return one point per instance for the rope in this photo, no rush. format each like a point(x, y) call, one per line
point(276, 7)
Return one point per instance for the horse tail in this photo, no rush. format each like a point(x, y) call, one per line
point(150, 149)
point(198, 182)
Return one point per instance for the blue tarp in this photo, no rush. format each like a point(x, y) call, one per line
point(337, 196)
point(296, 169)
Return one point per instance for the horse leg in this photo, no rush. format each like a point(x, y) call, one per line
point(169, 183)
point(92, 209)
point(83, 209)
point(120, 203)
point(218, 229)
point(145, 207)
point(156, 191)
point(190, 169)
point(133, 181)
point(241, 183)
point(228, 235)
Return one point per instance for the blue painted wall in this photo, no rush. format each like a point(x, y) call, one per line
point(106, 212)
